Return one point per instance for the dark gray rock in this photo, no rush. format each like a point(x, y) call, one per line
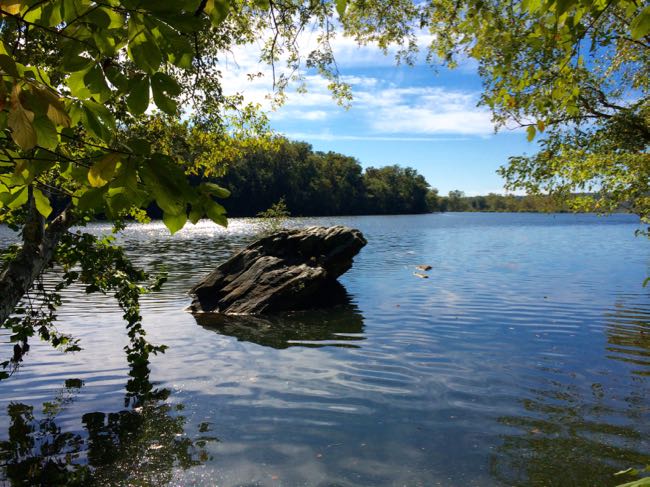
point(289, 270)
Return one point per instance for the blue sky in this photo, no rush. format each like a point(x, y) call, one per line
point(412, 116)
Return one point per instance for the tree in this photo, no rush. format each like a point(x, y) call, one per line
point(456, 201)
point(577, 72)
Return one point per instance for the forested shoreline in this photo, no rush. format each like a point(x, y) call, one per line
point(314, 183)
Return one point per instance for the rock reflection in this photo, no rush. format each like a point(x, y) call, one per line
point(575, 433)
point(339, 326)
point(142, 445)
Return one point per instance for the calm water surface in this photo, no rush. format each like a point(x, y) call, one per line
point(524, 359)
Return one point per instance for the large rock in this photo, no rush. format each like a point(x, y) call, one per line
point(289, 270)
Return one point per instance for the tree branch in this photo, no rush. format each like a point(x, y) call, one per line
point(39, 243)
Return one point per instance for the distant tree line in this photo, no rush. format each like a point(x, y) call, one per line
point(316, 183)
point(313, 183)
point(457, 201)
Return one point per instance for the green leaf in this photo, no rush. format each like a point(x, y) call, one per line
point(116, 78)
point(89, 83)
point(142, 49)
point(107, 45)
point(73, 63)
point(98, 120)
point(644, 482)
point(167, 183)
point(164, 87)
point(46, 134)
point(215, 189)
point(217, 10)
point(531, 5)
point(562, 6)
point(118, 200)
point(106, 18)
point(139, 146)
point(530, 133)
point(96, 83)
point(92, 200)
point(174, 222)
point(341, 5)
point(640, 26)
point(103, 170)
point(195, 214)
point(8, 65)
point(73, 9)
point(77, 85)
point(138, 98)
point(216, 213)
point(42, 203)
point(18, 197)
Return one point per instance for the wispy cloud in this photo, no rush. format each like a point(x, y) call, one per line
point(381, 110)
point(378, 138)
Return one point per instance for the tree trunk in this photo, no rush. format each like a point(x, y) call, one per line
point(39, 243)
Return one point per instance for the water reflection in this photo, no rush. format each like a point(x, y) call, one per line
point(142, 445)
point(628, 337)
point(572, 431)
point(340, 326)
point(567, 439)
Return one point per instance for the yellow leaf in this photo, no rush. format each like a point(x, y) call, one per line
point(12, 7)
point(530, 133)
point(103, 170)
point(58, 115)
point(20, 121)
point(55, 107)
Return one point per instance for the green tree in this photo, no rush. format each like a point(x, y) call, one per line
point(577, 72)
point(395, 190)
point(456, 201)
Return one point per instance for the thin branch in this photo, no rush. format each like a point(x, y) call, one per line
point(18, 18)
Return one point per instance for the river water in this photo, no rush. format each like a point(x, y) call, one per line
point(523, 359)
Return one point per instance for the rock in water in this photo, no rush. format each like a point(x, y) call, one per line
point(289, 270)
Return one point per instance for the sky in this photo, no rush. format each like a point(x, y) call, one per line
point(416, 116)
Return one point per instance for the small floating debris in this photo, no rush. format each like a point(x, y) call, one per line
point(421, 276)
point(424, 267)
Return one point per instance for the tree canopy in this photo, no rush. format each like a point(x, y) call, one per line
point(575, 72)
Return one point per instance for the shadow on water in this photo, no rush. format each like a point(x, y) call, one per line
point(573, 432)
point(339, 326)
point(140, 445)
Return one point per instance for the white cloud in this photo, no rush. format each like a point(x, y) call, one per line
point(380, 108)
point(310, 115)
